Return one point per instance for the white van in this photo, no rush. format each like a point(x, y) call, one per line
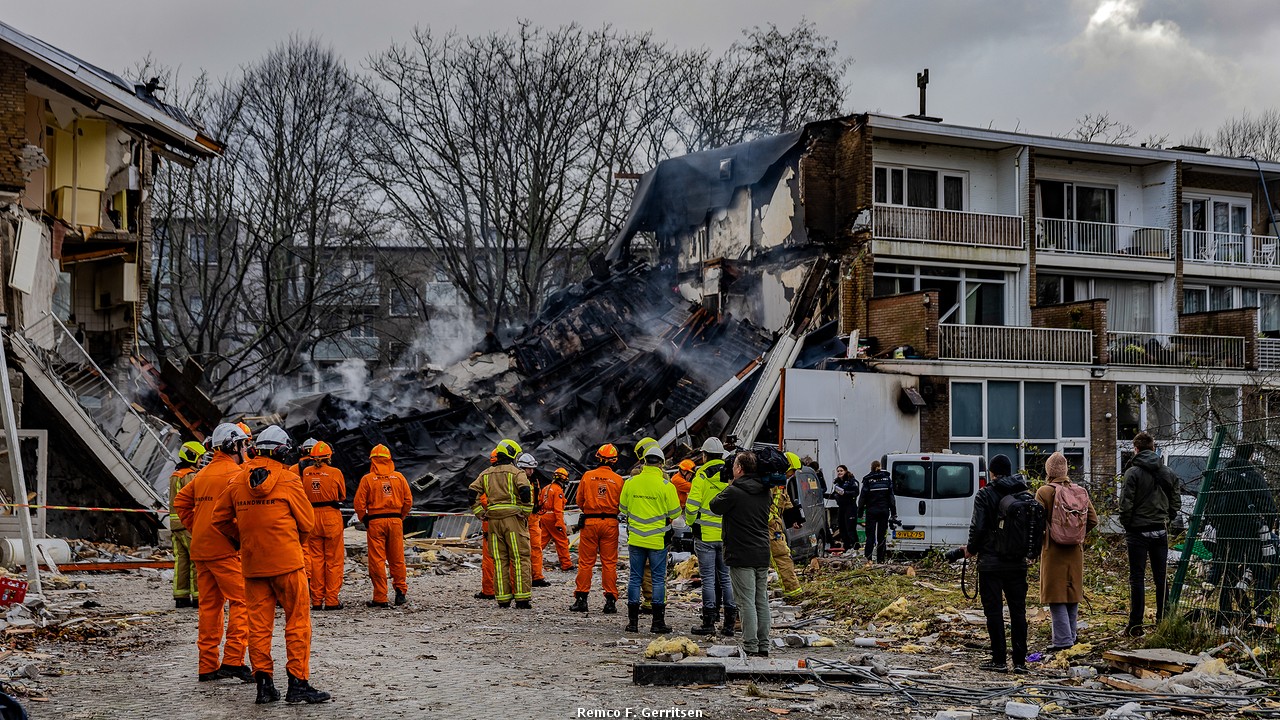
point(934, 493)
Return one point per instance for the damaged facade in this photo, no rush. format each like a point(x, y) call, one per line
point(1043, 294)
point(78, 146)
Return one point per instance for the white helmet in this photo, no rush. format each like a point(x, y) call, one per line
point(713, 446)
point(273, 439)
point(653, 452)
point(526, 461)
point(226, 435)
point(308, 444)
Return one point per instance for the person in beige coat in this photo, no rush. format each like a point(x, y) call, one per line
point(1061, 566)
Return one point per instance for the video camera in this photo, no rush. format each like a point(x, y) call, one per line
point(954, 555)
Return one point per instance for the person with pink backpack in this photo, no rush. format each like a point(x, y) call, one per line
point(1070, 516)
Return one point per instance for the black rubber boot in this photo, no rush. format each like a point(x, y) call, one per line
point(374, 604)
point(267, 692)
point(708, 626)
point(504, 605)
point(730, 622)
point(540, 582)
point(633, 618)
point(610, 605)
point(579, 602)
point(659, 625)
point(317, 608)
point(400, 598)
point(236, 672)
point(183, 602)
point(482, 596)
point(524, 604)
point(301, 691)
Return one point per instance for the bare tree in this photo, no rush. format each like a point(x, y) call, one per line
point(498, 151)
point(1253, 135)
point(1101, 127)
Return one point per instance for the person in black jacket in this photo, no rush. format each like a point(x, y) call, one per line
point(1149, 501)
point(880, 506)
point(1242, 510)
point(744, 507)
point(845, 493)
point(1000, 579)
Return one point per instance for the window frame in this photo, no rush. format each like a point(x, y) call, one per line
point(901, 192)
point(1026, 445)
point(964, 284)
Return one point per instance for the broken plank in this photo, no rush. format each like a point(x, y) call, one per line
point(667, 673)
point(1121, 684)
point(1154, 659)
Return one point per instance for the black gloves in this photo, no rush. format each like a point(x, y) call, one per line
point(525, 493)
point(697, 530)
point(582, 522)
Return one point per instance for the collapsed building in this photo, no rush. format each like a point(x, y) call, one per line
point(78, 148)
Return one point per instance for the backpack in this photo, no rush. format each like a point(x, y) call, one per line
point(1020, 527)
point(1070, 514)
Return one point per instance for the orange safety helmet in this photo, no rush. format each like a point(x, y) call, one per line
point(561, 473)
point(607, 453)
point(245, 429)
point(321, 450)
point(687, 465)
point(380, 451)
point(493, 457)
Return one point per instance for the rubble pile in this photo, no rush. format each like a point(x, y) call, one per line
point(88, 551)
point(613, 357)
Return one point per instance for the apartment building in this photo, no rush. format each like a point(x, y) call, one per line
point(1048, 294)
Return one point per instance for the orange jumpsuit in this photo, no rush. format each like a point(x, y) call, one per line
point(502, 486)
point(598, 493)
point(535, 535)
point(271, 521)
point(325, 488)
point(218, 574)
point(550, 519)
point(382, 502)
point(683, 486)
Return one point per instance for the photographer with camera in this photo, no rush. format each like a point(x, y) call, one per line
point(1007, 530)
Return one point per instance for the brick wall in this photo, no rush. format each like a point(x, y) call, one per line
point(1102, 430)
point(1242, 322)
point(905, 320)
point(935, 416)
point(1083, 315)
point(13, 121)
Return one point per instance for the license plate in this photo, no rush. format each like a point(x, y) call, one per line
point(908, 534)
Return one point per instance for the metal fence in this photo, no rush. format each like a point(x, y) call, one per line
point(1225, 576)
point(1015, 344)
point(1175, 350)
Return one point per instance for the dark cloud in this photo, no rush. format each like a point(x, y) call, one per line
point(1166, 66)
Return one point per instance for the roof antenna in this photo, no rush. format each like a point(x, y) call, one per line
point(922, 82)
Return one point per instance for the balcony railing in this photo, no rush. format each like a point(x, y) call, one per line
point(1080, 237)
point(1222, 248)
point(947, 226)
point(1170, 350)
point(1015, 344)
point(1269, 354)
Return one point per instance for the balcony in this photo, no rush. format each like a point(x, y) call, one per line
point(1221, 248)
point(1015, 344)
point(891, 222)
point(1172, 350)
point(1269, 354)
point(1079, 237)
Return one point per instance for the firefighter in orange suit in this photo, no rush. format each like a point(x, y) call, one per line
point(598, 493)
point(218, 574)
point(529, 464)
point(326, 489)
point(550, 518)
point(185, 592)
point(509, 499)
point(383, 500)
point(304, 462)
point(266, 513)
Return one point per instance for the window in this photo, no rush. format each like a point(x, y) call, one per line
point(1072, 201)
point(966, 296)
point(952, 480)
point(1216, 229)
point(1131, 306)
point(919, 187)
point(1175, 412)
point(1024, 420)
point(1216, 297)
point(1269, 312)
point(400, 302)
point(911, 480)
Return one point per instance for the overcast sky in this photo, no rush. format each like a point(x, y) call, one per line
point(1164, 66)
